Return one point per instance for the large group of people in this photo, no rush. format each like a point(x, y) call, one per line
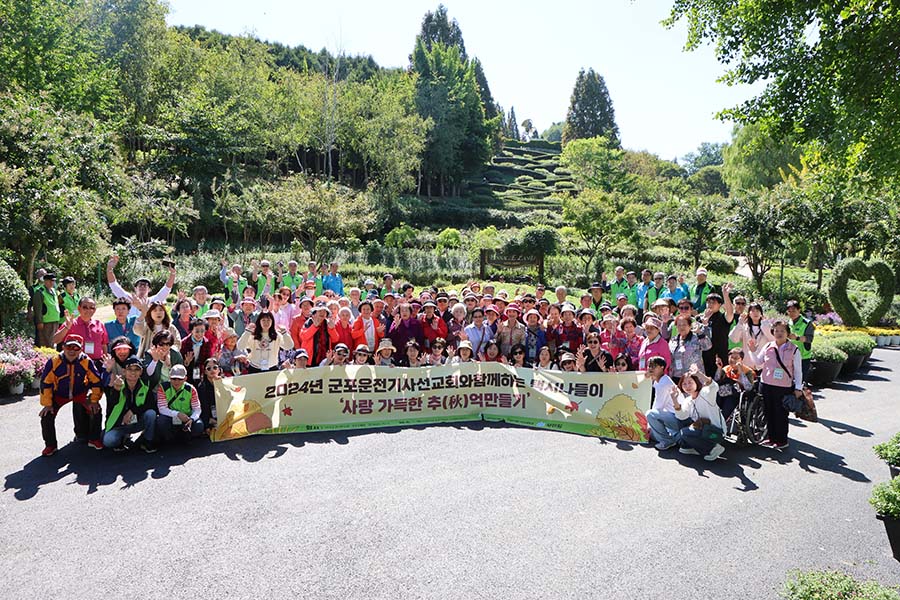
point(156, 365)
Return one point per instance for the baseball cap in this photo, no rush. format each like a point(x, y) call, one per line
point(73, 339)
point(178, 372)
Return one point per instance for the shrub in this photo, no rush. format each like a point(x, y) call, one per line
point(828, 353)
point(523, 179)
point(889, 451)
point(855, 268)
point(399, 237)
point(537, 185)
point(565, 185)
point(448, 238)
point(853, 345)
point(493, 176)
point(833, 585)
point(13, 293)
point(885, 498)
point(374, 253)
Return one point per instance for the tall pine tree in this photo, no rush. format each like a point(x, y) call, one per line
point(512, 126)
point(591, 111)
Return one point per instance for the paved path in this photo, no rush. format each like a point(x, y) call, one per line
point(465, 511)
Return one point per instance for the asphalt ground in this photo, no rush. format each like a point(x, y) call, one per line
point(474, 510)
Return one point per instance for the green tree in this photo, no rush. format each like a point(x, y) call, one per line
point(707, 181)
point(596, 163)
point(512, 125)
point(707, 154)
point(691, 223)
point(757, 224)
point(591, 111)
point(829, 70)
point(553, 133)
point(50, 46)
point(59, 171)
point(756, 158)
point(402, 236)
point(601, 221)
point(447, 94)
point(449, 237)
point(438, 28)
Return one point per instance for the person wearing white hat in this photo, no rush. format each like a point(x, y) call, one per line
point(178, 405)
point(384, 356)
point(701, 291)
point(653, 344)
point(463, 353)
point(566, 335)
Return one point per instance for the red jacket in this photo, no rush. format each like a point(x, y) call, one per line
point(317, 341)
point(359, 334)
point(343, 335)
point(431, 333)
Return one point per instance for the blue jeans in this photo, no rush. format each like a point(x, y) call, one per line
point(693, 438)
point(666, 427)
point(146, 424)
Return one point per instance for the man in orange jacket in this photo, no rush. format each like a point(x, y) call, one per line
point(71, 376)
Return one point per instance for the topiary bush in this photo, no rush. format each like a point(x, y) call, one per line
point(856, 268)
point(853, 345)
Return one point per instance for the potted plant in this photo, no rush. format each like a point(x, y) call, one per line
point(857, 348)
point(895, 337)
point(826, 364)
point(17, 375)
point(889, 452)
point(885, 500)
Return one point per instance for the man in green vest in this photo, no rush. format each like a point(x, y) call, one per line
point(619, 284)
point(801, 334)
point(36, 285)
point(701, 291)
point(179, 408)
point(292, 278)
point(68, 299)
point(201, 297)
point(47, 316)
point(131, 408)
point(655, 290)
point(234, 282)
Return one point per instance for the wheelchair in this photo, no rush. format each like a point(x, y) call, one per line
point(747, 423)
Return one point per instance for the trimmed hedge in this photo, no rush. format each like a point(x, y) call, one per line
point(856, 268)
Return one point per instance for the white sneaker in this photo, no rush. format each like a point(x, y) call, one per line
point(688, 451)
point(715, 453)
point(664, 445)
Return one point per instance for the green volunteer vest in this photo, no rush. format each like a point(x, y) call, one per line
point(798, 329)
point(201, 310)
point(179, 401)
point(616, 288)
point(69, 302)
point(51, 306)
point(261, 283)
point(241, 284)
point(733, 345)
point(292, 281)
point(140, 398)
point(699, 301)
point(653, 294)
point(631, 292)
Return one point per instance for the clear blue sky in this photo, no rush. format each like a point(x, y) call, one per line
point(665, 99)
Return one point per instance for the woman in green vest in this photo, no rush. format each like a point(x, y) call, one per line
point(68, 299)
point(47, 316)
point(801, 334)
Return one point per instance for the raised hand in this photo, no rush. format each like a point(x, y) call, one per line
point(251, 327)
point(118, 382)
point(719, 361)
point(189, 357)
point(113, 261)
point(182, 295)
point(108, 362)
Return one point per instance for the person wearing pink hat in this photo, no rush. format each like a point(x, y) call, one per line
point(492, 318)
point(511, 331)
point(653, 344)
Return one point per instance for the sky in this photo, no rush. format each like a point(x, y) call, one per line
point(665, 99)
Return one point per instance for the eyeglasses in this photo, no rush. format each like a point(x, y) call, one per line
point(342, 353)
point(658, 278)
point(89, 307)
point(518, 352)
point(527, 301)
point(684, 308)
point(213, 368)
point(593, 343)
point(165, 345)
point(741, 303)
point(437, 347)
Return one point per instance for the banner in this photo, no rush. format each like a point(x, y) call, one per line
point(608, 405)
